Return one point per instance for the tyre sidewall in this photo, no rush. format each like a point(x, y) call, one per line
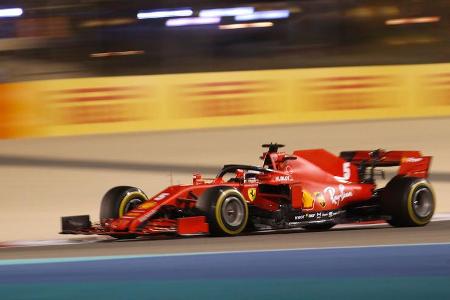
point(410, 198)
point(218, 212)
point(398, 201)
point(211, 203)
point(114, 202)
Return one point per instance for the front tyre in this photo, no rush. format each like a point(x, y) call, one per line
point(409, 201)
point(226, 210)
point(118, 201)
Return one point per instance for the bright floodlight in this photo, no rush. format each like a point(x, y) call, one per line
point(10, 12)
point(246, 25)
point(419, 20)
point(191, 21)
point(264, 15)
point(157, 14)
point(226, 12)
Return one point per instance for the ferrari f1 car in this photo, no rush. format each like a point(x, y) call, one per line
point(310, 189)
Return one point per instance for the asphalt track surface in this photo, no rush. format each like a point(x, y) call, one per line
point(370, 262)
point(396, 272)
point(434, 232)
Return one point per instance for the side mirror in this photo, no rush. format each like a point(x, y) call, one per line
point(197, 179)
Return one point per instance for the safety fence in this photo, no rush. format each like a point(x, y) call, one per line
point(222, 99)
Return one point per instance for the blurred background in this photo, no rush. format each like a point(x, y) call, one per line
point(66, 39)
point(97, 93)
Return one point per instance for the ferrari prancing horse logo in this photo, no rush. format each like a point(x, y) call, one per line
point(318, 196)
point(251, 194)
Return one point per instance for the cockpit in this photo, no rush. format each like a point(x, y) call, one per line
point(272, 161)
point(240, 173)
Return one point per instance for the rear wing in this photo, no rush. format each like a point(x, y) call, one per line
point(411, 163)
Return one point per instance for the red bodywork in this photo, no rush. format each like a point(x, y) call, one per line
point(316, 184)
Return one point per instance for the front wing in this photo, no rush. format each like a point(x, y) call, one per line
point(183, 226)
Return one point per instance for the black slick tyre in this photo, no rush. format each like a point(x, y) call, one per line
point(225, 209)
point(118, 201)
point(409, 201)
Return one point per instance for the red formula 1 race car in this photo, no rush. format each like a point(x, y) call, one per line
point(311, 189)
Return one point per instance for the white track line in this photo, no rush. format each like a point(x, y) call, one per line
point(8, 262)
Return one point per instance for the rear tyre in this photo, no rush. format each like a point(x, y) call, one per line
point(409, 201)
point(319, 226)
point(225, 209)
point(118, 201)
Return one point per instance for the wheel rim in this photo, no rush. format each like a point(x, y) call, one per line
point(132, 204)
point(423, 202)
point(233, 211)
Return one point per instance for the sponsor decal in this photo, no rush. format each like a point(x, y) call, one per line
point(337, 196)
point(283, 178)
point(161, 196)
point(132, 214)
point(308, 200)
point(300, 217)
point(91, 105)
point(251, 194)
point(412, 159)
point(147, 205)
point(320, 198)
point(346, 173)
point(321, 215)
point(223, 98)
